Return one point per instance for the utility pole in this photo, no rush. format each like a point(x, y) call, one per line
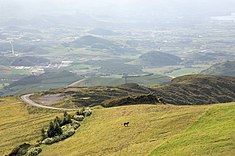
point(125, 76)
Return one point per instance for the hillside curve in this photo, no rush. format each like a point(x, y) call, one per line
point(26, 99)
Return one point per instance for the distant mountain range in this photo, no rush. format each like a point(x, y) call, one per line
point(102, 44)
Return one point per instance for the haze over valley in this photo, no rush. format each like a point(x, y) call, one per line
point(139, 60)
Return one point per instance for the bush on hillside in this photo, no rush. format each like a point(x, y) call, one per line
point(84, 112)
point(142, 99)
point(33, 151)
point(66, 119)
point(54, 129)
point(26, 150)
point(78, 117)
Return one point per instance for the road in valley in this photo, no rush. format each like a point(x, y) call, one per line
point(26, 99)
point(77, 82)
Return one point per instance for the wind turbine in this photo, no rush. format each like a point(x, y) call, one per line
point(12, 48)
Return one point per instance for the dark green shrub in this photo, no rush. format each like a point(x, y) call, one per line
point(20, 150)
point(54, 129)
point(44, 134)
point(66, 119)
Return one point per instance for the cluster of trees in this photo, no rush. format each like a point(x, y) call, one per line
point(55, 126)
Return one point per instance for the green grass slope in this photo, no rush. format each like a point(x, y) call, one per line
point(158, 59)
point(142, 80)
point(212, 134)
point(153, 130)
point(104, 133)
point(198, 89)
point(48, 80)
point(20, 123)
point(225, 68)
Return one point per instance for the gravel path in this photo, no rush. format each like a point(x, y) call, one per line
point(26, 99)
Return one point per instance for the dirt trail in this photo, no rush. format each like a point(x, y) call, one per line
point(76, 83)
point(26, 99)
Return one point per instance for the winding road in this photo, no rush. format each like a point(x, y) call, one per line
point(26, 99)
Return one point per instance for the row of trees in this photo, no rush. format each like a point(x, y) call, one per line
point(55, 126)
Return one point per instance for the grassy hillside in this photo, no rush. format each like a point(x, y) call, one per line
point(104, 133)
point(154, 129)
point(20, 123)
point(158, 59)
point(212, 134)
point(46, 81)
point(103, 32)
point(142, 80)
point(198, 89)
point(30, 61)
point(225, 68)
point(185, 90)
point(102, 44)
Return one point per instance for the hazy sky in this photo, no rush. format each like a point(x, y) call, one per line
point(115, 7)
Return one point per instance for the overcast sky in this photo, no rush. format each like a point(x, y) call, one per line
point(114, 7)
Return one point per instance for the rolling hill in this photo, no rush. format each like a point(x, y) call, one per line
point(101, 44)
point(198, 89)
point(147, 80)
point(153, 130)
point(20, 123)
point(225, 69)
point(102, 32)
point(49, 80)
point(185, 90)
point(158, 59)
point(30, 61)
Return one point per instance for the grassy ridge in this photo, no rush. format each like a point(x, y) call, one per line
point(224, 68)
point(112, 81)
point(20, 123)
point(212, 134)
point(154, 130)
point(198, 89)
point(46, 81)
point(104, 133)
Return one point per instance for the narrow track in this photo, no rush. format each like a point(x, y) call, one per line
point(26, 99)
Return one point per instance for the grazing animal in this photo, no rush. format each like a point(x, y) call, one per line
point(126, 124)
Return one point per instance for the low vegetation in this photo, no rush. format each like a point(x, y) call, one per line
point(46, 81)
point(21, 124)
point(59, 129)
point(30, 61)
point(225, 69)
point(141, 99)
point(185, 90)
point(158, 59)
point(212, 134)
point(147, 80)
point(198, 89)
point(153, 129)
